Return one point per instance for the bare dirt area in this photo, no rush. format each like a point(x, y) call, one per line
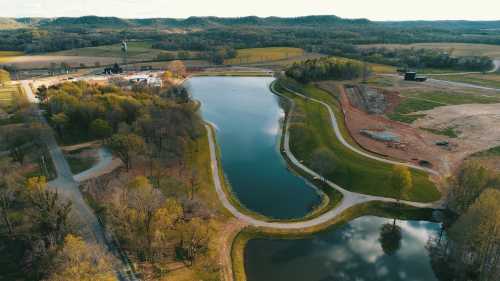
point(476, 124)
point(376, 133)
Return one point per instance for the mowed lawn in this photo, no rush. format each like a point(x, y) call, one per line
point(139, 50)
point(311, 130)
point(459, 49)
point(257, 55)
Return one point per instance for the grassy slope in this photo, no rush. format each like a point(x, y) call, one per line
point(135, 50)
point(353, 171)
point(256, 55)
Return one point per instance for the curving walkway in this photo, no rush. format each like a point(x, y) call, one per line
point(349, 199)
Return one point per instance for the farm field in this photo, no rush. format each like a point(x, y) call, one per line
point(6, 56)
point(459, 49)
point(7, 93)
point(258, 55)
point(136, 50)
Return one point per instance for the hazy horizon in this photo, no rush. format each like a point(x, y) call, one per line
point(382, 10)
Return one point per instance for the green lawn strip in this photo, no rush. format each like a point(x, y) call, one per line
point(352, 171)
point(387, 210)
point(449, 132)
point(494, 151)
point(79, 164)
point(331, 197)
point(486, 80)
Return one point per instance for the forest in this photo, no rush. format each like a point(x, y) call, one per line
point(325, 69)
point(325, 34)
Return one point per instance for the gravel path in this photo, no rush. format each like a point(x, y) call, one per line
point(349, 198)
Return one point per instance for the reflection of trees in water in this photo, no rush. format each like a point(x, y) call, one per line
point(390, 238)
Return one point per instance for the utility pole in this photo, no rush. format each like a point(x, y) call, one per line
point(124, 53)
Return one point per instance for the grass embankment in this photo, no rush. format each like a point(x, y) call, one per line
point(258, 55)
point(311, 130)
point(420, 100)
point(374, 209)
point(485, 80)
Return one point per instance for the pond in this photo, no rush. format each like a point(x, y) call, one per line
point(350, 252)
point(248, 120)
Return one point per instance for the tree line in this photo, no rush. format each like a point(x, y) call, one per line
point(325, 69)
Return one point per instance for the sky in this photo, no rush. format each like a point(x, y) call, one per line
point(370, 9)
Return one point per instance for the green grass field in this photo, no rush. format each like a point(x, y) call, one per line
point(419, 100)
point(485, 80)
point(136, 50)
point(459, 49)
point(352, 171)
point(257, 55)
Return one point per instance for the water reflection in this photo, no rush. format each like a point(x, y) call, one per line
point(352, 252)
point(248, 116)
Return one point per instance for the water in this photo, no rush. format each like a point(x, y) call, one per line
point(247, 119)
point(351, 252)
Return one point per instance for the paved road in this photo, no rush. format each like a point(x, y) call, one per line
point(440, 82)
point(67, 187)
point(349, 198)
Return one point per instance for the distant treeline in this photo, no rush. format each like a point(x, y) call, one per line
point(325, 69)
point(425, 58)
point(325, 34)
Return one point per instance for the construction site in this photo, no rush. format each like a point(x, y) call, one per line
point(440, 137)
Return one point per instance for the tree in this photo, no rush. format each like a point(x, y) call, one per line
point(401, 181)
point(194, 237)
point(477, 234)
point(82, 261)
point(125, 146)
point(472, 179)
point(100, 129)
point(60, 121)
point(9, 183)
point(178, 68)
point(42, 94)
point(50, 213)
point(390, 238)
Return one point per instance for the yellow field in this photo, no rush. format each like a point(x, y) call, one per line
point(7, 56)
point(459, 49)
point(7, 93)
point(256, 55)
